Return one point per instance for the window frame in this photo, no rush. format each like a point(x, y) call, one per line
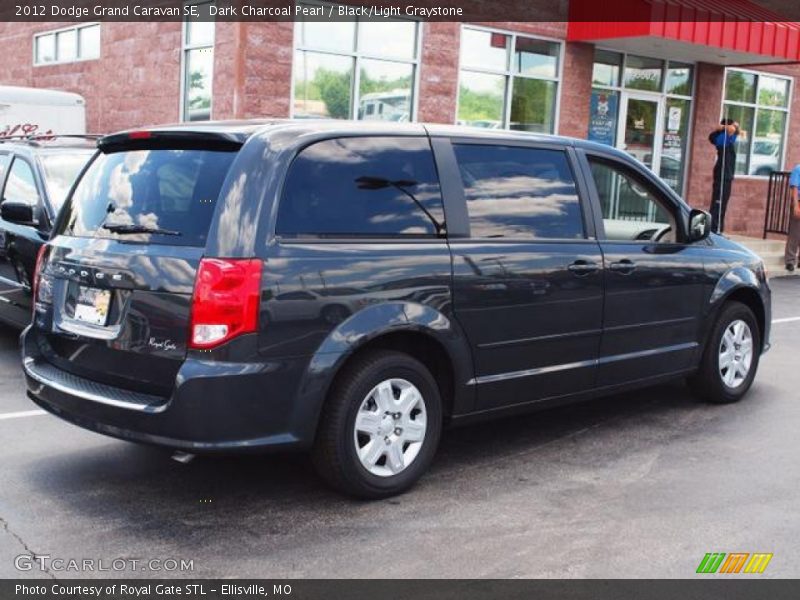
point(508, 73)
point(186, 48)
point(4, 174)
point(356, 55)
point(455, 193)
point(671, 202)
point(787, 110)
point(78, 57)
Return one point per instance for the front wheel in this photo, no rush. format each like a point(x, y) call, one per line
point(731, 356)
point(380, 426)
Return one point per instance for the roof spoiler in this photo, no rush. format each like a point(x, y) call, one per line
point(155, 139)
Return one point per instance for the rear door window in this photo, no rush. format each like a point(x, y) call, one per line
point(362, 186)
point(519, 193)
point(159, 196)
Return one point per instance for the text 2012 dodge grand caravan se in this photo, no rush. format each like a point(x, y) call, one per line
point(349, 288)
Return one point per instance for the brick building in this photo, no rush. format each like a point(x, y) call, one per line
point(655, 89)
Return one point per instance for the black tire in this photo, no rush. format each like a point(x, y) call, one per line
point(708, 383)
point(334, 453)
point(335, 314)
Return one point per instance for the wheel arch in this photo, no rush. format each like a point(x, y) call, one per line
point(750, 298)
point(739, 285)
point(418, 330)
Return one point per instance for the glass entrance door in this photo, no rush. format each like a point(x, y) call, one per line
point(656, 132)
point(641, 127)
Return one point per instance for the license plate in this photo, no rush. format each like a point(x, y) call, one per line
point(92, 305)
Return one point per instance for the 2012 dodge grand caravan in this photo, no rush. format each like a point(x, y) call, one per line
point(349, 288)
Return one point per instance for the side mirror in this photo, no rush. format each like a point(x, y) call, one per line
point(699, 225)
point(19, 213)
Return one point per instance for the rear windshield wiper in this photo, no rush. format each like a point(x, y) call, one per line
point(378, 183)
point(132, 229)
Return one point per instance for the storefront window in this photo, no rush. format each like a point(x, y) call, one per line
point(481, 99)
point(607, 67)
point(745, 116)
point(643, 73)
point(198, 67)
point(533, 105)
point(355, 69)
point(740, 87)
point(760, 104)
point(679, 79)
point(536, 58)
point(484, 49)
point(508, 81)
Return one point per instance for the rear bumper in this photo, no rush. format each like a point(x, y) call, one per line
point(214, 408)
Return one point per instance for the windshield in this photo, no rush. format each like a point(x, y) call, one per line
point(60, 172)
point(765, 148)
point(163, 196)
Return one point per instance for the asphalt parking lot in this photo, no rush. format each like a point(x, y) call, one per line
point(635, 485)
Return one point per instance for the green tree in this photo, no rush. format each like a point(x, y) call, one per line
point(479, 106)
point(334, 91)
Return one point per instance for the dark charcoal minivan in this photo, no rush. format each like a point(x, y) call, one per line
point(349, 288)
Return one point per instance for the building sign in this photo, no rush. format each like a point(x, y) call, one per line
point(603, 117)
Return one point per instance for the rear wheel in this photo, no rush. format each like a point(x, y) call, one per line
point(731, 356)
point(380, 426)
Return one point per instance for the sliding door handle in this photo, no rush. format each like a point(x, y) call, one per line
point(624, 266)
point(583, 267)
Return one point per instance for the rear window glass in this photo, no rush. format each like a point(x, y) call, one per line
point(366, 186)
point(523, 193)
point(159, 196)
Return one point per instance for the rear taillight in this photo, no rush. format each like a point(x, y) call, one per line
point(226, 300)
point(37, 279)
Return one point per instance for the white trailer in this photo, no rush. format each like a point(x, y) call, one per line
point(32, 111)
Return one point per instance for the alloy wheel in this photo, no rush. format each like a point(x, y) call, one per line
point(735, 353)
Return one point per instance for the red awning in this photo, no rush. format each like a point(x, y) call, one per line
point(738, 31)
